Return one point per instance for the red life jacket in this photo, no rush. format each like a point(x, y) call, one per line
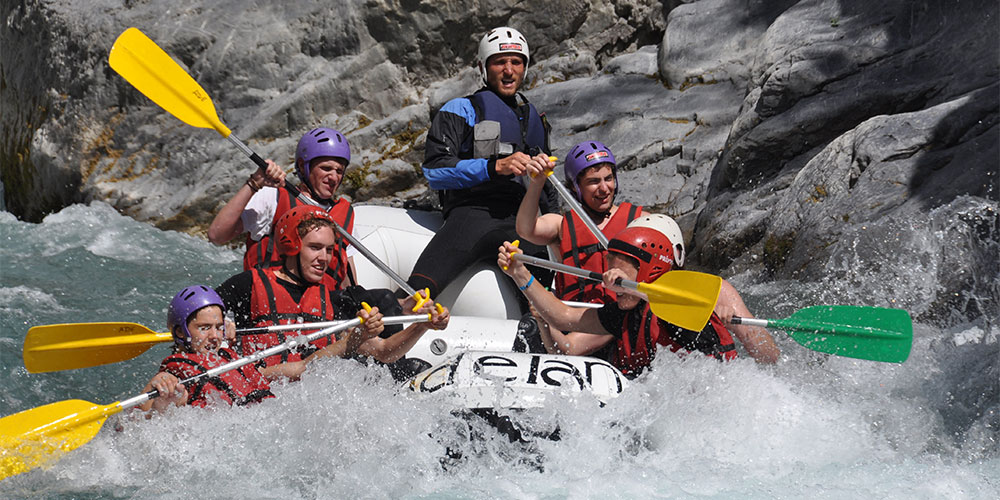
point(239, 386)
point(642, 331)
point(271, 304)
point(264, 251)
point(578, 247)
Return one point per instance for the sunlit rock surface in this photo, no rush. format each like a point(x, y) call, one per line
point(787, 138)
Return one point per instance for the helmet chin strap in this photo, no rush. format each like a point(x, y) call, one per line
point(182, 344)
point(594, 214)
point(313, 196)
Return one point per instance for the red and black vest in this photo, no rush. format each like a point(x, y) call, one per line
point(271, 304)
point(263, 251)
point(578, 247)
point(239, 386)
point(642, 331)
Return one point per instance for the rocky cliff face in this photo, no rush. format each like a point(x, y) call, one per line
point(791, 139)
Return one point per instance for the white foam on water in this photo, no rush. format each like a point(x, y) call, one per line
point(17, 298)
point(103, 232)
point(687, 429)
point(814, 426)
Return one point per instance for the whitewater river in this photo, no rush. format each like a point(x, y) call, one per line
point(811, 427)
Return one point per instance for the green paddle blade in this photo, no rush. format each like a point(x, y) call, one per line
point(150, 70)
point(872, 333)
point(70, 346)
point(34, 437)
point(684, 298)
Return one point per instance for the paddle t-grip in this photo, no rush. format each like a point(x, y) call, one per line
point(514, 244)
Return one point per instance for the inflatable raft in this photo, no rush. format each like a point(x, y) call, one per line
point(471, 362)
point(397, 236)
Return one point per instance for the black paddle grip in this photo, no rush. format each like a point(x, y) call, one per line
point(258, 161)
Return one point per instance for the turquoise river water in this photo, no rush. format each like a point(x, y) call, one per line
point(814, 426)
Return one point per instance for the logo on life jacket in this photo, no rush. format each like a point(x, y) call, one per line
point(597, 154)
point(510, 46)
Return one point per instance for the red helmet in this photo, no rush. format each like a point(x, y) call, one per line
point(646, 241)
point(286, 233)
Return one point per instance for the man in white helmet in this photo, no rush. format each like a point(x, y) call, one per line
point(645, 250)
point(478, 149)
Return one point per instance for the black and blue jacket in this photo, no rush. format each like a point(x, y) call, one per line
point(463, 180)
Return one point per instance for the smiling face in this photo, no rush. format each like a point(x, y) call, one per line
point(597, 187)
point(207, 327)
point(325, 175)
point(317, 248)
point(504, 73)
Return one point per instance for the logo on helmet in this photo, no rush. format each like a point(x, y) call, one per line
point(597, 154)
point(510, 46)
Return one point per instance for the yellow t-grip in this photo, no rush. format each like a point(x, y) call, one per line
point(550, 172)
point(420, 299)
point(440, 309)
point(514, 244)
point(368, 309)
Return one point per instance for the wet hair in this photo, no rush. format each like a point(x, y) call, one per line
point(308, 225)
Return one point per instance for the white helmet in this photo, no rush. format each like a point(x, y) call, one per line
point(501, 40)
point(668, 227)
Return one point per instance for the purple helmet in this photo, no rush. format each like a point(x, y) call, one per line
point(319, 142)
point(583, 156)
point(187, 302)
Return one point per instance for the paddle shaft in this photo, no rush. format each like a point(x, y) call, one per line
point(389, 320)
point(146, 66)
point(818, 326)
point(103, 412)
point(578, 209)
point(684, 298)
point(575, 271)
point(270, 351)
point(750, 321)
point(360, 247)
point(343, 232)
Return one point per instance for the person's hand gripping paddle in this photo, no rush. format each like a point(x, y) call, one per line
point(150, 70)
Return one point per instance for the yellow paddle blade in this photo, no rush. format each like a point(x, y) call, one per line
point(69, 346)
point(34, 437)
point(684, 298)
point(150, 70)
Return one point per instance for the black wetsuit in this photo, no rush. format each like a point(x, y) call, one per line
point(479, 205)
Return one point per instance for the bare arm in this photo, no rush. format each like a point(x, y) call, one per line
point(560, 315)
point(757, 341)
point(171, 392)
point(572, 343)
point(540, 230)
point(344, 347)
point(227, 223)
point(391, 349)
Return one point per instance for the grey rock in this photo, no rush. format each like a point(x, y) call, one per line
point(783, 135)
point(855, 119)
